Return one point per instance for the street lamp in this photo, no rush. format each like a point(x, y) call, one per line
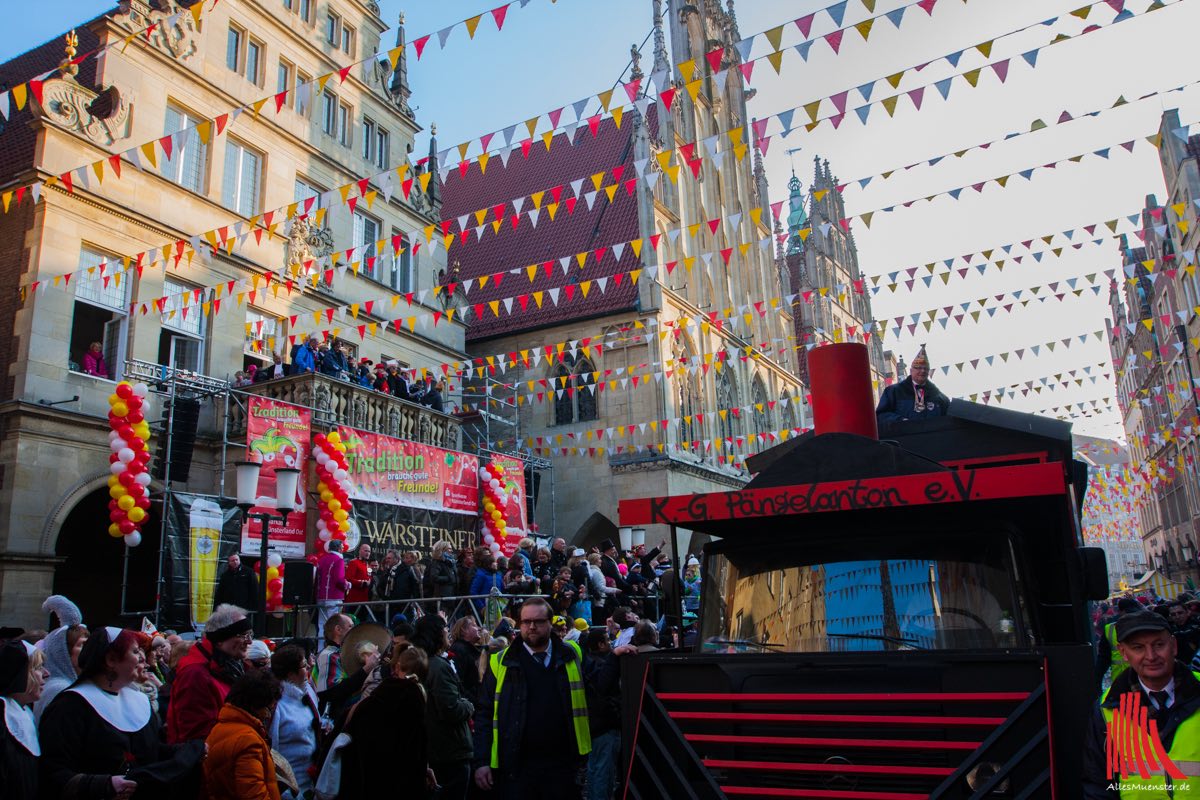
point(247, 498)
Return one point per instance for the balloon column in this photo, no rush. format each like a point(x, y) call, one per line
point(128, 485)
point(274, 580)
point(495, 500)
point(332, 487)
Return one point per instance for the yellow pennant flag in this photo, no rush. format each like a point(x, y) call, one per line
point(98, 168)
point(894, 80)
point(18, 94)
point(394, 56)
point(605, 98)
point(774, 36)
point(687, 69)
point(812, 109)
point(531, 125)
point(531, 271)
point(618, 114)
point(775, 60)
point(483, 162)
point(148, 152)
point(536, 197)
point(204, 131)
point(611, 191)
point(972, 77)
point(889, 104)
point(424, 181)
point(864, 28)
point(693, 88)
point(552, 209)
point(985, 48)
point(472, 24)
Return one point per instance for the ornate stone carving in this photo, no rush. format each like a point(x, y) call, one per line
point(174, 34)
point(425, 430)
point(66, 104)
point(306, 242)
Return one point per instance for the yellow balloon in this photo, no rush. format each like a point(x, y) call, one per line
point(117, 492)
point(326, 496)
point(115, 531)
point(272, 573)
point(113, 480)
point(322, 488)
point(334, 437)
point(120, 409)
point(142, 429)
point(496, 515)
point(126, 502)
point(136, 514)
point(341, 516)
point(344, 526)
point(113, 399)
point(334, 505)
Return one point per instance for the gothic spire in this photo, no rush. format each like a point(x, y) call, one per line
point(662, 62)
point(434, 199)
point(399, 85)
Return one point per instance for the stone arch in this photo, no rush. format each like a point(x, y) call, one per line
point(62, 509)
point(594, 530)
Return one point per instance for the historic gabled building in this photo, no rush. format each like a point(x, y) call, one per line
point(291, 153)
point(833, 302)
point(596, 358)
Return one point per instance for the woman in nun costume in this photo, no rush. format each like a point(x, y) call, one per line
point(99, 737)
point(21, 680)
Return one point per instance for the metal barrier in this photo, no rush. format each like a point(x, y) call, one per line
point(487, 614)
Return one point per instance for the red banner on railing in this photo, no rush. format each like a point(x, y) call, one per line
point(396, 471)
point(277, 435)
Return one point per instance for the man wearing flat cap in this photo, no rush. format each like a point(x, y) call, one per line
point(1169, 693)
point(915, 397)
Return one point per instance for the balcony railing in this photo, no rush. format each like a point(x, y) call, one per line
point(337, 402)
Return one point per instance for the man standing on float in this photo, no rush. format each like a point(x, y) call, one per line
point(915, 397)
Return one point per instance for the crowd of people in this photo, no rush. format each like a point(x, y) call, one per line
point(525, 704)
point(332, 358)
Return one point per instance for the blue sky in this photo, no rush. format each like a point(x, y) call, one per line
point(550, 54)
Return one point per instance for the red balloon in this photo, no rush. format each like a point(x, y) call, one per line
point(124, 391)
point(134, 417)
point(275, 586)
point(127, 526)
point(125, 432)
point(116, 515)
point(112, 459)
point(126, 479)
point(143, 503)
point(135, 443)
point(313, 559)
point(134, 403)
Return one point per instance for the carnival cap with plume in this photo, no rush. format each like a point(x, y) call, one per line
point(921, 359)
point(57, 650)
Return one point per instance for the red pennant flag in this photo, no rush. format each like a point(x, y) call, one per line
point(630, 185)
point(165, 142)
point(498, 15)
point(747, 69)
point(668, 96)
point(35, 88)
point(554, 116)
point(115, 163)
point(571, 201)
point(329, 311)
point(839, 101)
point(776, 208)
point(725, 254)
point(66, 179)
point(713, 224)
point(419, 44)
point(714, 58)
point(695, 167)
point(916, 95)
point(525, 145)
point(594, 125)
point(631, 90)
point(556, 193)
point(222, 121)
point(805, 24)
point(1001, 69)
point(280, 99)
point(834, 39)
point(654, 239)
point(524, 301)
point(928, 6)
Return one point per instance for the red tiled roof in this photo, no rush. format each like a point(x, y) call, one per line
point(18, 140)
point(570, 232)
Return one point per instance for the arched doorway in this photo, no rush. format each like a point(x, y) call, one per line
point(93, 567)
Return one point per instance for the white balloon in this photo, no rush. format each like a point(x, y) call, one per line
point(126, 455)
point(483, 473)
point(320, 524)
point(141, 389)
point(274, 559)
point(494, 547)
point(133, 539)
point(112, 435)
point(488, 538)
point(118, 444)
point(340, 475)
point(143, 478)
point(324, 535)
point(495, 484)
point(117, 467)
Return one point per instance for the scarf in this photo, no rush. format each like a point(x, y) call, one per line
point(20, 723)
point(224, 668)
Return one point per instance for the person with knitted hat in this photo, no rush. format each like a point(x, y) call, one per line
point(915, 397)
point(61, 646)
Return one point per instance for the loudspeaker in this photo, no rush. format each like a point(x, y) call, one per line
point(299, 582)
point(533, 487)
point(181, 420)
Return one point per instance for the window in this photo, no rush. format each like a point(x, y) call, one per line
point(564, 411)
point(305, 190)
point(333, 28)
point(181, 343)
point(344, 115)
point(585, 390)
point(243, 168)
point(303, 94)
point(288, 4)
point(348, 39)
point(368, 140)
point(100, 313)
point(366, 235)
point(283, 82)
point(383, 147)
point(261, 332)
point(401, 264)
point(189, 157)
point(329, 107)
point(233, 48)
point(306, 10)
point(254, 52)
point(727, 428)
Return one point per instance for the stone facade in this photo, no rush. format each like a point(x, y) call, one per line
point(53, 457)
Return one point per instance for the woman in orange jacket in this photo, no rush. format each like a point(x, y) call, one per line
point(239, 764)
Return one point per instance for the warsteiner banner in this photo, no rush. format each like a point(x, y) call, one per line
point(385, 527)
point(387, 470)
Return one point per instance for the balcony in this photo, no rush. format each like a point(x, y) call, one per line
point(337, 402)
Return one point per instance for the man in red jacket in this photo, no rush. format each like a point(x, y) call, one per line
point(205, 674)
point(358, 575)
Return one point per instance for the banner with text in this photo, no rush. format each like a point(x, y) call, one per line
point(388, 470)
point(386, 526)
point(277, 436)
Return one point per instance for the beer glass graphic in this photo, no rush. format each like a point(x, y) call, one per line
point(204, 536)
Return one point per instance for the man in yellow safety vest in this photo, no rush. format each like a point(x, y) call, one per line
point(531, 726)
point(1154, 709)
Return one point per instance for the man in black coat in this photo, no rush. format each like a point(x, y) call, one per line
point(537, 745)
point(1167, 691)
point(237, 586)
point(915, 397)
